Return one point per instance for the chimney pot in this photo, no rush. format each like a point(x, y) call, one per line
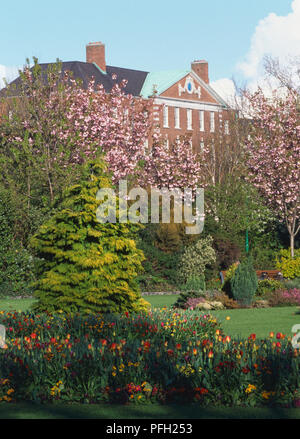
point(200, 67)
point(95, 53)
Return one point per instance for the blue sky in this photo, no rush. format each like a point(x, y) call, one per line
point(147, 35)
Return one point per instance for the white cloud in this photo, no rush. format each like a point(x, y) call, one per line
point(8, 73)
point(275, 35)
point(226, 89)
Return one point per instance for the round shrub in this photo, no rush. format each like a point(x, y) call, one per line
point(226, 286)
point(266, 286)
point(288, 266)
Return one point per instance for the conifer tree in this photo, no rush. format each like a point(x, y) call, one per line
point(87, 266)
point(244, 282)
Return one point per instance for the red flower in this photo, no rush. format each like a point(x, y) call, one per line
point(252, 337)
point(33, 335)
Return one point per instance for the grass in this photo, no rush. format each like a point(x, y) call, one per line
point(157, 301)
point(261, 322)
point(151, 411)
point(242, 322)
point(15, 304)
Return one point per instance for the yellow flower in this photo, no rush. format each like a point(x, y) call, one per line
point(250, 388)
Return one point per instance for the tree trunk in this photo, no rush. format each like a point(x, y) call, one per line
point(292, 244)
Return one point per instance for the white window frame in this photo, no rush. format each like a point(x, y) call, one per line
point(201, 120)
point(212, 121)
point(189, 118)
point(177, 117)
point(166, 116)
point(226, 127)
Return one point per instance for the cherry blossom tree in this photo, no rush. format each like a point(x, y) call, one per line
point(274, 154)
point(174, 166)
point(55, 124)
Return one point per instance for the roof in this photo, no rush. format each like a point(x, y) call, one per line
point(161, 81)
point(139, 83)
point(86, 71)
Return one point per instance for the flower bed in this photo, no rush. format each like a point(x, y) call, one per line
point(162, 356)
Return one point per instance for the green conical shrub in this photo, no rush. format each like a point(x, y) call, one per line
point(244, 282)
point(87, 266)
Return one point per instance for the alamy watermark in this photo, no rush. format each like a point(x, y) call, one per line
point(296, 337)
point(2, 336)
point(187, 206)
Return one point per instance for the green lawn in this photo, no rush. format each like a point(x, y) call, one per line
point(243, 322)
point(15, 304)
point(261, 322)
point(161, 301)
point(151, 411)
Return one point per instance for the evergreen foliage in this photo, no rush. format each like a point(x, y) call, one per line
point(16, 263)
point(196, 258)
point(244, 283)
point(86, 265)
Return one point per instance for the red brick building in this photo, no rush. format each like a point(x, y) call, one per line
point(184, 102)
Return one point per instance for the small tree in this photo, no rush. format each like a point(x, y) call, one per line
point(196, 258)
point(86, 265)
point(274, 155)
point(244, 282)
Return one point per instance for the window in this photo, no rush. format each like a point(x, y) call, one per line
point(201, 120)
point(166, 117)
point(226, 127)
point(177, 117)
point(201, 146)
point(189, 118)
point(212, 121)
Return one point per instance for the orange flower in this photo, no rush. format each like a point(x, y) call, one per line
point(210, 354)
point(195, 351)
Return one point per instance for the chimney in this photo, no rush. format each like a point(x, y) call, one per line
point(201, 69)
point(95, 53)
